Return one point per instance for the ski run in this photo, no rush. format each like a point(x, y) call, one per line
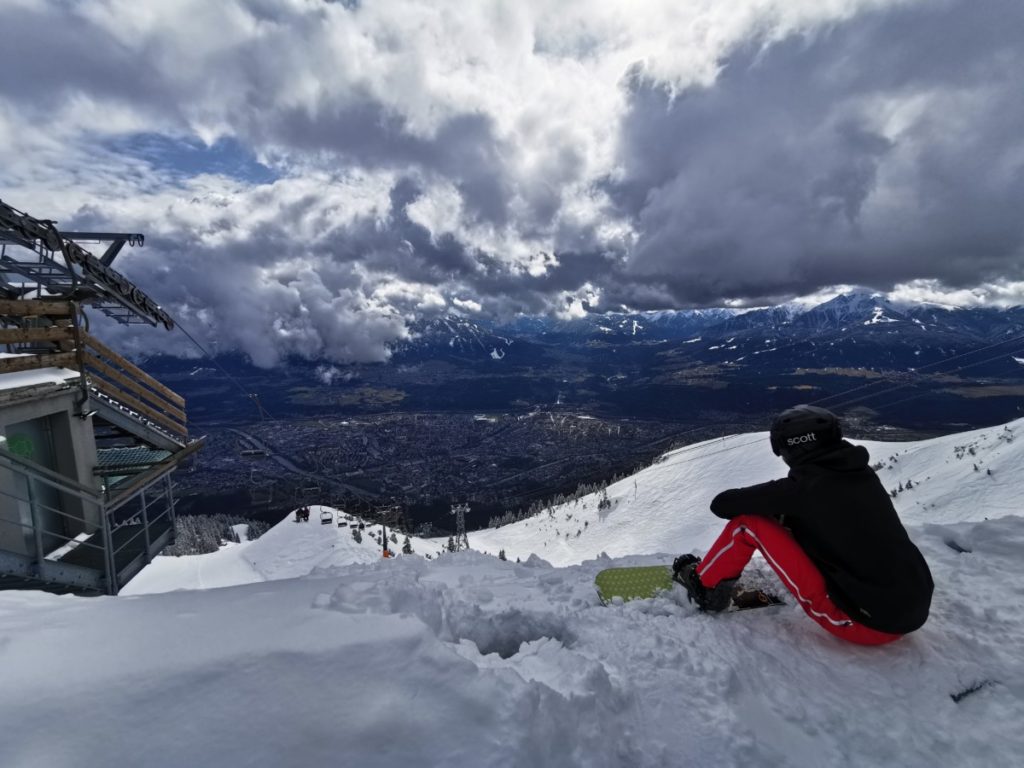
point(305, 648)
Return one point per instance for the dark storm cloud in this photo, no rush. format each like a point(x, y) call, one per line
point(887, 148)
point(50, 54)
point(403, 247)
point(368, 134)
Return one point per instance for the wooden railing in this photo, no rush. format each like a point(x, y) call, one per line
point(125, 382)
point(109, 373)
point(36, 308)
point(61, 334)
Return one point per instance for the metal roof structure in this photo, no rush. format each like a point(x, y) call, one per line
point(53, 265)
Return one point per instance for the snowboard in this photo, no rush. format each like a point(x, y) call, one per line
point(643, 582)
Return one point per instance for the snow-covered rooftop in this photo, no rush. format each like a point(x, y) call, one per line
point(35, 377)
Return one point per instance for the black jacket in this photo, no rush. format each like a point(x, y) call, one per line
point(842, 517)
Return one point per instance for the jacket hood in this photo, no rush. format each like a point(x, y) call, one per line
point(844, 457)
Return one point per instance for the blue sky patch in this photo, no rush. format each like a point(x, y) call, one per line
point(190, 157)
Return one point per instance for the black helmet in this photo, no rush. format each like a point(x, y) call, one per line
point(804, 431)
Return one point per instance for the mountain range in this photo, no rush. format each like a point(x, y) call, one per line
point(895, 333)
point(679, 365)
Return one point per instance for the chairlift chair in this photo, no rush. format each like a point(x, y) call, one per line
point(326, 517)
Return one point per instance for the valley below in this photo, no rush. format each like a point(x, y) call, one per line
point(507, 417)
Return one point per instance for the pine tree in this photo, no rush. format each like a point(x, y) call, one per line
point(202, 534)
point(501, 554)
point(406, 546)
point(451, 543)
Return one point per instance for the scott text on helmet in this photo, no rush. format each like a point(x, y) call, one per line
point(808, 438)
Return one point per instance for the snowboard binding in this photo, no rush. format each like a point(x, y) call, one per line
point(714, 600)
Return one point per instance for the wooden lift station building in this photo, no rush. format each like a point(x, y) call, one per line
point(88, 440)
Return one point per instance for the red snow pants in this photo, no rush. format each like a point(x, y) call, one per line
point(746, 533)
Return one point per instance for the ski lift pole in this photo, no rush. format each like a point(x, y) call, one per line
point(387, 513)
point(461, 539)
point(383, 533)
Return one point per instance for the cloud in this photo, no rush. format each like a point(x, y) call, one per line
point(314, 176)
point(881, 150)
point(328, 374)
point(1002, 293)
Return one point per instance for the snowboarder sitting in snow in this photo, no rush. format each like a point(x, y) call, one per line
point(830, 532)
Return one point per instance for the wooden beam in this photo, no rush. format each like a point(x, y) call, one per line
point(18, 335)
point(165, 421)
point(35, 362)
point(34, 308)
point(133, 370)
point(178, 430)
point(91, 361)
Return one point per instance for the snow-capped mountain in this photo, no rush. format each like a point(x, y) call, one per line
point(324, 653)
point(857, 308)
point(860, 329)
point(894, 330)
point(868, 311)
point(620, 327)
point(451, 336)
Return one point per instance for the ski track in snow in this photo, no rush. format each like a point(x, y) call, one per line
point(332, 655)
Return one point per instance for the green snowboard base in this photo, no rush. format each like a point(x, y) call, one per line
point(647, 581)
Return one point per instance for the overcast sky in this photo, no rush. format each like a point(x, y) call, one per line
point(311, 176)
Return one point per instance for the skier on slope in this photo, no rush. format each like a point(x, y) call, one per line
point(829, 531)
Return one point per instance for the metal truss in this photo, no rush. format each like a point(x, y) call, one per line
point(29, 248)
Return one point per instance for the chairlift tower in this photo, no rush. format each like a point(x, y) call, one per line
point(461, 539)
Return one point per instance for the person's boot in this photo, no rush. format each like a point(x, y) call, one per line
point(707, 600)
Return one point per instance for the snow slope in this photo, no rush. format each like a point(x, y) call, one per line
point(466, 660)
point(287, 550)
point(664, 508)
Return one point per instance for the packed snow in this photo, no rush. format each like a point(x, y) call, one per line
point(331, 655)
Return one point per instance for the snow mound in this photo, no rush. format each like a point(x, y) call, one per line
point(337, 656)
point(286, 551)
point(468, 660)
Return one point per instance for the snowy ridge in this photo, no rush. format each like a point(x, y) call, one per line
point(286, 551)
point(466, 660)
point(665, 506)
